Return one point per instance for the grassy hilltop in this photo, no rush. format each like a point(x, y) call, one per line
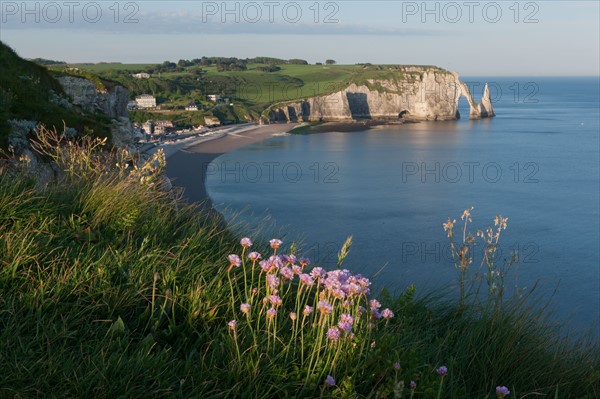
point(30, 91)
point(250, 85)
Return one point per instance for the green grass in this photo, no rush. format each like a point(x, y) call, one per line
point(110, 289)
point(98, 68)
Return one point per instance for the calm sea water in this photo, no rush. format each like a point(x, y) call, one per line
point(391, 188)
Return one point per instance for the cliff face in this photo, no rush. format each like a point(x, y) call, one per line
point(112, 102)
point(83, 92)
point(430, 94)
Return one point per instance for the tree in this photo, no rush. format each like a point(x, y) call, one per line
point(184, 63)
point(330, 62)
point(297, 61)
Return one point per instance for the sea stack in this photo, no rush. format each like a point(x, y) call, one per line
point(486, 110)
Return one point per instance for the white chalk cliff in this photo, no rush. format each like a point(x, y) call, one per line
point(112, 102)
point(83, 93)
point(426, 94)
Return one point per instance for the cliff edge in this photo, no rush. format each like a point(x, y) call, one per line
point(419, 95)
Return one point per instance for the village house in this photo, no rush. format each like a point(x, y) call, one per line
point(191, 107)
point(145, 101)
point(214, 97)
point(141, 75)
point(162, 127)
point(148, 127)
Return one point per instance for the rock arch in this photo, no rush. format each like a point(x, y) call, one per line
point(477, 111)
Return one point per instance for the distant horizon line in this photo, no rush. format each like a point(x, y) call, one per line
point(340, 64)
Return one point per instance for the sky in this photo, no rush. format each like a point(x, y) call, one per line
point(474, 38)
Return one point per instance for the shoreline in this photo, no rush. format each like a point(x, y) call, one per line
point(187, 164)
point(345, 126)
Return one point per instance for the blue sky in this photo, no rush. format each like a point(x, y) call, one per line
point(541, 38)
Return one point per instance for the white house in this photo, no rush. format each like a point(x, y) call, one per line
point(214, 97)
point(191, 107)
point(148, 127)
point(141, 75)
point(145, 101)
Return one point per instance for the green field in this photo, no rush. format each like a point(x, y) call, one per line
point(98, 68)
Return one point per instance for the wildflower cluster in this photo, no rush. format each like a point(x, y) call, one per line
point(313, 316)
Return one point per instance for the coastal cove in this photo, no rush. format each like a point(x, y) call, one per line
point(403, 203)
point(392, 187)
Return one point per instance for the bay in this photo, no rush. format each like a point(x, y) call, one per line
point(391, 188)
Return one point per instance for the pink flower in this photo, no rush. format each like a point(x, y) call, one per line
point(234, 260)
point(306, 280)
point(442, 371)
point(286, 273)
point(324, 307)
point(275, 243)
point(317, 272)
point(232, 324)
point(293, 316)
point(354, 289)
point(345, 326)
point(271, 313)
point(374, 304)
point(387, 314)
point(307, 310)
point(272, 264)
point(289, 259)
point(254, 256)
point(333, 333)
point(329, 381)
point(275, 300)
point(304, 261)
point(296, 269)
point(413, 385)
point(273, 281)
point(345, 317)
point(245, 242)
point(502, 391)
point(396, 365)
point(245, 308)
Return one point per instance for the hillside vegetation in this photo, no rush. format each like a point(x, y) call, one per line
point(109, 289)
point(29, 91)
point(249, 85)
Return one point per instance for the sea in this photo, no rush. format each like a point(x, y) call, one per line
point(391, 188)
